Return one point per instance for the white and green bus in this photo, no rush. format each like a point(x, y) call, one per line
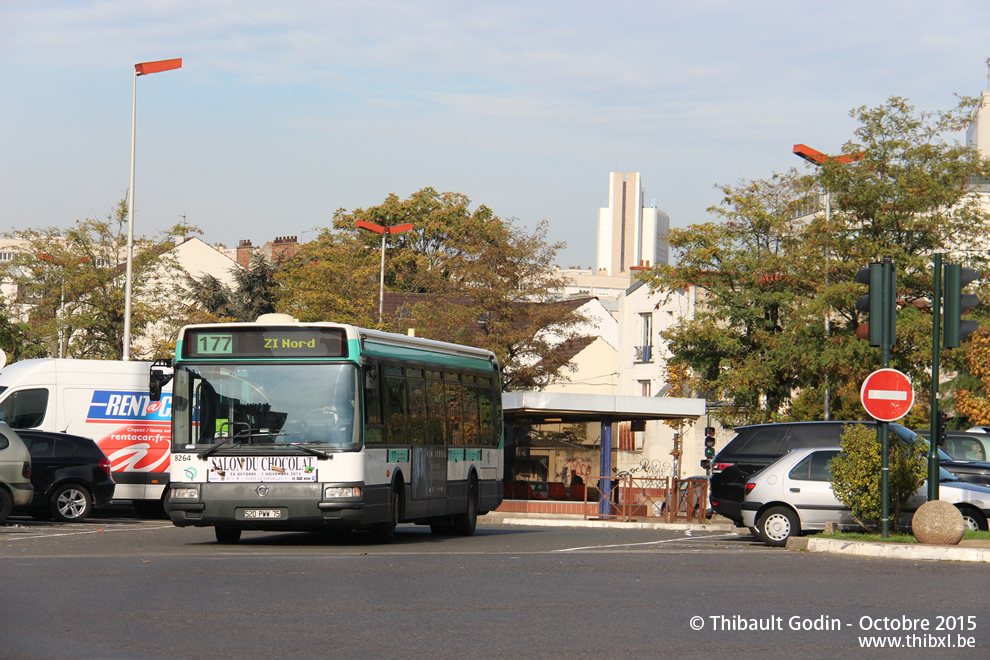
point(279, 425)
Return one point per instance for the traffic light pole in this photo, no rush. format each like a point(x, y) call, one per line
point(888, 302)
point(935, 429)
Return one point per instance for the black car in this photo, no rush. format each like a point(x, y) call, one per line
point(70, 475)
point(759, 445)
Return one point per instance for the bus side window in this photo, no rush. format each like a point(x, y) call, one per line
point(436, 429)
point(469, 402)
point(374, 422)
point(452, 388)
point(395, 406)
point(486, 412)
point(416, 391)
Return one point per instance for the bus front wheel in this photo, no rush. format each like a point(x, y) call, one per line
point(227, 535)
point(385, 532)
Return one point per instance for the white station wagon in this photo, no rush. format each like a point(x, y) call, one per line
point(794, 495)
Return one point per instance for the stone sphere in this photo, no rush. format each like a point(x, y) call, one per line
point(938, 523)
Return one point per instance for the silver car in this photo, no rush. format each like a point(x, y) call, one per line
point(794, 495)
point(15, 472)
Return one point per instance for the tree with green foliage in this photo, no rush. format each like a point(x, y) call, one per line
point(70, 285)
point(772, 269)
point(436, 254)
point(253, 293)
point(332, 278)
point(470, 277)
point(856, 474)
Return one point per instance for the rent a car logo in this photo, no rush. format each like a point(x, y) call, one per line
point(141, 441)
point(110, 406)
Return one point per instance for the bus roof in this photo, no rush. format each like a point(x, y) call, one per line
point(371, 342)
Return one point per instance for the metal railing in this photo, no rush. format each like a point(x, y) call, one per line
point(630, 498)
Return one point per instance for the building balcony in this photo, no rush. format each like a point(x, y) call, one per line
point(642, 354)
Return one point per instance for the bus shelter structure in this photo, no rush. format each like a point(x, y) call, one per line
point(535, 408)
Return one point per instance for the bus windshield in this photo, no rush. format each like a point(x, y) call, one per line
point(258, 405)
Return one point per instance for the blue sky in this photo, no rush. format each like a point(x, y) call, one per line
point(284, 112)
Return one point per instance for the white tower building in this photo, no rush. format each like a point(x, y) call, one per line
point(630, 234)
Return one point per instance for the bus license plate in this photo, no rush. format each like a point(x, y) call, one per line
point(262, 513)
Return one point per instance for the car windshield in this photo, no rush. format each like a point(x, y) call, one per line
point(909, 436)
point(274, 405)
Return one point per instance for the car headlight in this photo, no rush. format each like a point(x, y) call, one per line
point(339, 491)
point(185, 493)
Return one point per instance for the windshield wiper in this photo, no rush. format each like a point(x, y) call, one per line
point(243, 435)
point(308, 450)
point(209, 451)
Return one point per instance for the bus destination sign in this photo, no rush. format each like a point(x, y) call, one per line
point(234, 343)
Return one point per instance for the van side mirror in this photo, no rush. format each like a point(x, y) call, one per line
point(157, 378)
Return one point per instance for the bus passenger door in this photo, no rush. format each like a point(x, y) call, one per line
point(429, 472)
point(429, 457)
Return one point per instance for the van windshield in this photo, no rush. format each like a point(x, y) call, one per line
point(25, 409)
point(265, 405)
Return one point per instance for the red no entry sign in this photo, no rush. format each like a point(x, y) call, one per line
point(887, 395)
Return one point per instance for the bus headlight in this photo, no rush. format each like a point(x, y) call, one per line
point(331, 492)
point(185, 493)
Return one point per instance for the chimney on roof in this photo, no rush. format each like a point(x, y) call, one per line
point(244, 252)
point(284, 247)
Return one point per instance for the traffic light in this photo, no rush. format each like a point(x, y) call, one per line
point(942, 417)
point(709, 442)
point(956, 304)
point(880, 303)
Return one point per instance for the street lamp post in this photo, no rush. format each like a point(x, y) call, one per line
point(817, 158)
point(385, 232)
point(142, 69)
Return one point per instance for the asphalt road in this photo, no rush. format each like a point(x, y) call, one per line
point(115, 587)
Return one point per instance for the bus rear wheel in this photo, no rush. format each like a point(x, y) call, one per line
point(465, 523)
point(227, 535)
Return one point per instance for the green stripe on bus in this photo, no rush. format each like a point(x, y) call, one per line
point(425, 356)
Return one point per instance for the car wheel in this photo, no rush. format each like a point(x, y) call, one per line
point(973, 519)
point(227, 535)
point(777, 525)
point(70, 503)
point(6, 505)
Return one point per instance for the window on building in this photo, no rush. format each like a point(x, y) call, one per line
point(644, 352)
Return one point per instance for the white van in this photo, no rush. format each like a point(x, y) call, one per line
point(105, 400)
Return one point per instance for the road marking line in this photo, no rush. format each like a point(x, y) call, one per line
point(631, 545)
point(102, 530)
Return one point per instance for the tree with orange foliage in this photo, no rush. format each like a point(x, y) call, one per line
point(976, 404)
